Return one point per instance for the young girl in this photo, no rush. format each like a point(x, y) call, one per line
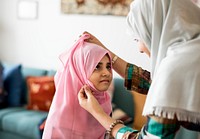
point(84, 63)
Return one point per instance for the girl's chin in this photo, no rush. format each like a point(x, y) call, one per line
point(102, 89)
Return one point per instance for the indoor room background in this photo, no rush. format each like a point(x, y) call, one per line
point(37, 38)
point(38, 41)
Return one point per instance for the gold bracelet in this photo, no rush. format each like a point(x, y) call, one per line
point(109, 131)
point(114, 59)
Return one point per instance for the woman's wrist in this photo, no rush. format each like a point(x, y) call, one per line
point(106, 121)
point(97, 111)
point(103, 118)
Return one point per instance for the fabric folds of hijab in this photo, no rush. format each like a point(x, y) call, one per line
point(67, 119)
point(171, 31)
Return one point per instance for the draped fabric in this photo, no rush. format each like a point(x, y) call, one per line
point(67, 119)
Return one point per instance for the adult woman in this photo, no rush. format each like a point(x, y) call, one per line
point(170, 32)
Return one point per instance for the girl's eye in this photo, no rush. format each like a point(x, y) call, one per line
point(97, 67)
point(109, 67)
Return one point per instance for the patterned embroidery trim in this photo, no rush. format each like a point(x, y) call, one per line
point(137, 79)
point(130, 72)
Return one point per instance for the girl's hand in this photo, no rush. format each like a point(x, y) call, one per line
point(88, 101)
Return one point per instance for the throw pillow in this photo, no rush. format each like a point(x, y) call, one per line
point(3, 94)
point(1, 76)
point(40, 91)
point(13, 82)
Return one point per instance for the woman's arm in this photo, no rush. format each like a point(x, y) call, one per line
point(136, 78)
point(165, 127)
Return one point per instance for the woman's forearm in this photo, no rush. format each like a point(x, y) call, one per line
point(105, 120)
point(119, 66)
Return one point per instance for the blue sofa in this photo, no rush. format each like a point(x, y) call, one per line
point(16, 121)
point(20, 123)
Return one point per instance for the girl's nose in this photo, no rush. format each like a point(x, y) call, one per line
point(105, 72)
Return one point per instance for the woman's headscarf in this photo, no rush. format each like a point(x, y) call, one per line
point(171, 31)
point(67, 119)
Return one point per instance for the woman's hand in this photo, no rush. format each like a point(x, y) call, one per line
point(94, 40)
point(88, 101)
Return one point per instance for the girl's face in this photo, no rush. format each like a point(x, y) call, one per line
point(142, 47)
point(102, 74)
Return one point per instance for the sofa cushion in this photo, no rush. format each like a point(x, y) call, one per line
point(7, 111)
point(41, 91)
point(1, 76)
point(3, 93)
point(23, 122)
point(122, 98)
point(13, 82)
point(27, 71)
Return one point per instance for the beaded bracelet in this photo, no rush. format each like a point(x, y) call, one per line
point(108, 132)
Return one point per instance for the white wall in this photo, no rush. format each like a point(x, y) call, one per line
point(37, 43)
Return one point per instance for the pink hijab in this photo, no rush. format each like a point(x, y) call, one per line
point(66, 118)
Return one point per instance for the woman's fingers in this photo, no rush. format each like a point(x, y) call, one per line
point(84, 94)
point(87, 90)
point(85, 32)
point(88, 101)
point(81, 94)
point(85, 98)
point(93, 39)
